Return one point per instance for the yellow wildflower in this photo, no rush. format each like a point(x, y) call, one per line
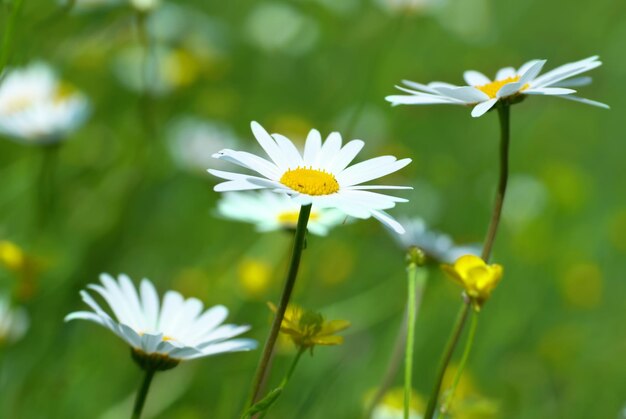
point(307, 328)
point(475, 276)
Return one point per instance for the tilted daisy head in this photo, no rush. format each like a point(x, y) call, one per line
point(161, 335)
point(307, 328)
point(509, 85)
point(271, 211)
point(320, 176)
point(35, 107)
point(475, 276)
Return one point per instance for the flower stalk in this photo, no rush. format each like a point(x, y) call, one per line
point(466, 352)
point(286, 378)
point(416, 279)
point(143, 393)
point(504, 118)
point(298, 247)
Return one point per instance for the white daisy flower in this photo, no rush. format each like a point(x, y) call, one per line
point(320, 176)
point(13, 322)
point(194, 141)
point(176, 330)
point(436, 245)
point(36, 107)
point(509, 84)
point(270, 211)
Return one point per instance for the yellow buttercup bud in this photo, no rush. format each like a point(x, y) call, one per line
point(475, 276)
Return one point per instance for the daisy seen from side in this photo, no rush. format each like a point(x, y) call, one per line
point(509, 85)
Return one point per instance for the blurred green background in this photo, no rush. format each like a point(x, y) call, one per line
point(550, 343)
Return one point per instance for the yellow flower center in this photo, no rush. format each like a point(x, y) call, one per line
point(290, 218)
point(310, 181)
point(491, 89)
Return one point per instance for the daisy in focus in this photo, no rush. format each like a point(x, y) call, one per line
point(509, 84)
point(13, 322)
point(320, 176)
point(161, 335)
point(436, 245)
point(37, 108)
point(270, 211)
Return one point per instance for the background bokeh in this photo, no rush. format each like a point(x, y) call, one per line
point(550, 343)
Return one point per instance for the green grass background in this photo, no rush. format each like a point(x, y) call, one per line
point(550, 343)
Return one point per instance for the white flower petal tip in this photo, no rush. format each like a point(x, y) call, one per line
point(175, 327)
point(508, 84)
point(322, 175)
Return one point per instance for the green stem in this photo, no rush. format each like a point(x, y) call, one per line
point(143, 392)
point(399, 348)
point(410, 340)
point(46, 184)
point(7, 35)
point(466, 352)
point(286, 378)
point(296, 255)
point(447, 355)
point(504, 116)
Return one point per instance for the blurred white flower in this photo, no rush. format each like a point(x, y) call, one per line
point(177, 330)
point(509, 84)
point(281, 27)
point(35, 107)
point(409, 6)
point(271, 211)
point(192, 142)
point(391, 406)
point(160, 71)
point(436, 245)
point(13, 322)
point(145, 6)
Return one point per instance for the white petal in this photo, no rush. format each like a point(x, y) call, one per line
point(312, 147)
point(475, 78)
point(208, 321)
point(346, 155)
point(291, 153)
point(150, 342)
point(249, 161)
point(132, 300)
point(531, 72)
point(575, 82)
point(329, 150)
point(422, 99)
point(481, 108)
point(268, 144)
point(509, 89)
point(586, 101)
point(370, 169)
point(85, 315)
point(172, 303)
point(234, 345)
point(466, 94)
point(548, 91)
point(150, 304)
point(505, 73)
point(419, 86)
point(388, 221)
